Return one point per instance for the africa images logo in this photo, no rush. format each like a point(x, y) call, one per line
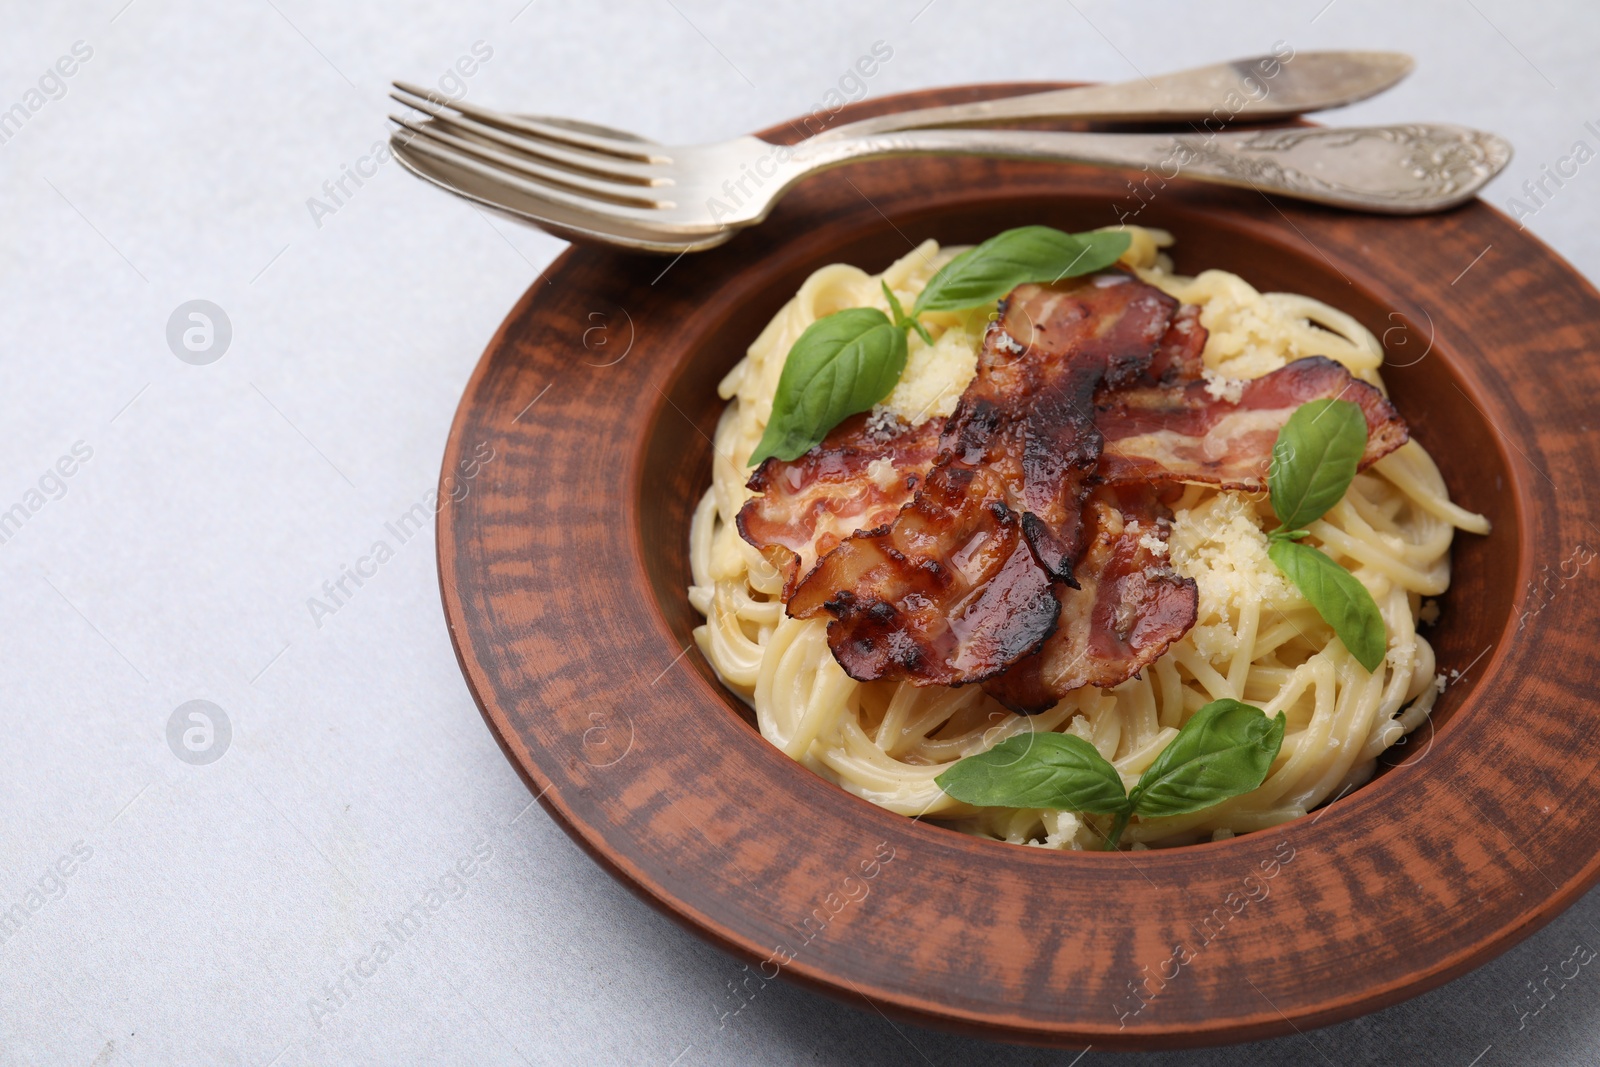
point(199, 732)
point(199, 332)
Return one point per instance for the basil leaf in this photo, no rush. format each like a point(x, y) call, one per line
point(1225, 750)
point(1038, 770)
point(844, 363)
point(1339, 598)
point(1012, 258)
point(1314, 460)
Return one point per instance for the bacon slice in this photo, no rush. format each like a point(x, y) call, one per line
point(856, 479)
point(973, 551)
point(1101, 332)
point(921, 608)
point(958, 586)
point(1177, 357)
point(1188, 430)
point(1128, 609)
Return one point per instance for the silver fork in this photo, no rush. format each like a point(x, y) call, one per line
point(588, 182)
point(1243, 90)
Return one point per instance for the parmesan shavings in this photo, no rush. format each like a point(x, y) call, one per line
point(935, 376)
point(1222, 387)
point(882, 473)
point(1221, 546)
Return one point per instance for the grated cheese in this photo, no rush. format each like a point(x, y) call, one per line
point(882, 473)
point(1222, 547)
point(1222, 387)
point(935, 376)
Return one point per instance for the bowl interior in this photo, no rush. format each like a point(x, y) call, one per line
point(1420, 369)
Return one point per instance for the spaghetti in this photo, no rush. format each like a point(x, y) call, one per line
point(1255, 637)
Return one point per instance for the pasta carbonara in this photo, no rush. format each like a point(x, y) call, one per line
point(1255, 637)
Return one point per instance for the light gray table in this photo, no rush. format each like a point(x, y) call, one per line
point(195, 152)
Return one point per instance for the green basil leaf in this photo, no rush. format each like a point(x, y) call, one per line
point(1339, 597)
point(1314, 460)
point(844, 363)
point(1038, 770)
point(1012, 258)
point(1224, 750)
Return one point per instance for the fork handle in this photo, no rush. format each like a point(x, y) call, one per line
point(1276, 86)
point(1400, 169)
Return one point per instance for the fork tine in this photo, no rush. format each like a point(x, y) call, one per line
point(621, 194)
point(587, 205)
point(591, 128)
point(637, 151)
point(550, 216)
point(606, 167)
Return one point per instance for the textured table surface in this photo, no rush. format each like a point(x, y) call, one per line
point(179, 895)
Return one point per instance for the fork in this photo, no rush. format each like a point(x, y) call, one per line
point(590, 183)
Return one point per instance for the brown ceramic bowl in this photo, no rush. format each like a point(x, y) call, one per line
point(563, 575)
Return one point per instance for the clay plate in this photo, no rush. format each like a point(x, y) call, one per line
point(563, 575)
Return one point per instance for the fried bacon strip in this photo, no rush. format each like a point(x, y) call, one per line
point(1172, 426)
point(973, 550)
point(858, 478)
point(958, 587)
point(1128, 609)
point(915, 606)
point(1100, 333)
point(1192, 430)
point(1177, 357)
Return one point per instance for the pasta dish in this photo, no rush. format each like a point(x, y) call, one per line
point(1058, 520)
